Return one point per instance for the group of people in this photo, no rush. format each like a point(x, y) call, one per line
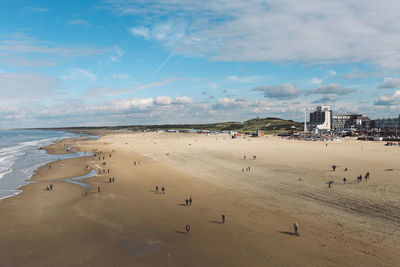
point(254, 157)
point(49, 187)
point(359, 178)
point(188, 201)
point(136, 163)
point(247, 169)
point(111, 179)
point(162, 189)
point(366, 176)
point(104, 171)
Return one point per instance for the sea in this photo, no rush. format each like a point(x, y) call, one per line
point(20, 156)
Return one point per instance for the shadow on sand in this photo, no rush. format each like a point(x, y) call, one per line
point(181, 204)
point(286, 233)
point(215, 222)
point(180, 232)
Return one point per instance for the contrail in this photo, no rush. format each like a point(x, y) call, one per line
point(165, 62)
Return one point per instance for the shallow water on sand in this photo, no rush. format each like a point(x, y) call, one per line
point(20, 156)
point(76, 179)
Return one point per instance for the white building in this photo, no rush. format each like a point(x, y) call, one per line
point(321, 119)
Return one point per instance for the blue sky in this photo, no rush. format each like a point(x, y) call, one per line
point(112, 62)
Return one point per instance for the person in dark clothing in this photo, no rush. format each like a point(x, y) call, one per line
point(223, 218)
point(296, 229)
point(187, 228)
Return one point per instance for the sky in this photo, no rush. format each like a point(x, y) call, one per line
point(114, 62)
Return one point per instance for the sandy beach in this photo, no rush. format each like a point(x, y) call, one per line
point(129, 224)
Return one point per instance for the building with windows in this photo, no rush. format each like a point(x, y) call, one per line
point(389, 123)
point(342, 121)
point(321, 119)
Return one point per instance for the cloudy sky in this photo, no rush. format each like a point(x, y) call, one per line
point(119, 62)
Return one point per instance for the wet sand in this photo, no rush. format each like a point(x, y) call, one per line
point(128, 224)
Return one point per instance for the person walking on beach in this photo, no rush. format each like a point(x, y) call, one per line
point(156, 188)
point(109, 179)
point(190, 201)
point(163, 190)
point(98, 189)
point(113, 179)
point(187, 229)
point(334, 167)
point(344, 180)
point(51, 186)
point(187, 202)
point(223, 218)
point(296, 229)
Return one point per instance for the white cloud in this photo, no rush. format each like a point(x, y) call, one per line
point(244, 79)
point(326, 99)
point(184, 100)
point(232, 103)
point(214, 85)
point(121, 76)
point(156, 84)
point(118, 54)
point(316, 81)
point(332, 73)
point(140, 31)
point(163, 100)
point(313, 31)
point(332, 88)
point(390, 100)
point(282, 91)
point(77, 73)
point(26, 86)
point(79, 22)
point(133, 103)
point(390, 83)
point(37, 9)
point(38, 53)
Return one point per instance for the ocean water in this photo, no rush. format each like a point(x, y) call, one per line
point(20, 156)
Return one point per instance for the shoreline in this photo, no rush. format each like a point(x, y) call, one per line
point(129, 224)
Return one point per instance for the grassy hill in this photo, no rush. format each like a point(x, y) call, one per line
point(267, 125)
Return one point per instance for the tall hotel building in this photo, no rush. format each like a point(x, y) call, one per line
point(321, 119)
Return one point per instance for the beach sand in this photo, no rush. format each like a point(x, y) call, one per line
point(129, 224)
